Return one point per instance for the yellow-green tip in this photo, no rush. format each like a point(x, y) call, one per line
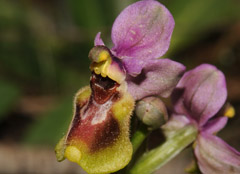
point(73, 154)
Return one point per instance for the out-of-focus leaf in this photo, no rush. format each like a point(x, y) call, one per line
point(193, 18)
point(51, 125)
point(71, 80)
point(9, 96)
point(10, 13)
point(86, 13)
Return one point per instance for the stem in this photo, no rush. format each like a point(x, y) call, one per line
point(139, 136)
point(156, 158)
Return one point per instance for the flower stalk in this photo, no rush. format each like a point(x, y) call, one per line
point(156, 158)
point(139, 136)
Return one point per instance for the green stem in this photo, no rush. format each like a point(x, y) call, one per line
point(156, 158)
point(138, 137)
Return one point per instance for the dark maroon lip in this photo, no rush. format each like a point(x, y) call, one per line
point(103, 88)
point(105, 132)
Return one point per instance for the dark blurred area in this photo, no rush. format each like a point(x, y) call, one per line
point(44, 61)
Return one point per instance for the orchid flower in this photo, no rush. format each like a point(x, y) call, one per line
point(98, 136)
point(198, 97)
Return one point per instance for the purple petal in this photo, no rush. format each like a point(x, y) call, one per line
point(215, 125)
point(142, 31)
point(215, 156)
point(98, 40)
point(200, 93)
point(159, 77)
point(133, 66)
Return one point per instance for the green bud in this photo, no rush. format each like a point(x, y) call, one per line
point(152, 112)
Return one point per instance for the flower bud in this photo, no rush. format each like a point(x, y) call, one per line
point(151, 111)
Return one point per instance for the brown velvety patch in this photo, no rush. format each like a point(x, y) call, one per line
point(97, 136)
point(106, 134)
point(77, 116)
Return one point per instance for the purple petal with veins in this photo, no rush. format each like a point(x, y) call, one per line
point(142, 31)
point(159, 77)
point(200, 93)
point(215, 156)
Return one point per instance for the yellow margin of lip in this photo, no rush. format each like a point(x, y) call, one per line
point(73, 154)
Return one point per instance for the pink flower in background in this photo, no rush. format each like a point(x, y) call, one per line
point(199, 96)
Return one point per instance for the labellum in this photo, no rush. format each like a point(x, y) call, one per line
point(98, 136)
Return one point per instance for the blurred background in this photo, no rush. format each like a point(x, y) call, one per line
point(43, 62)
